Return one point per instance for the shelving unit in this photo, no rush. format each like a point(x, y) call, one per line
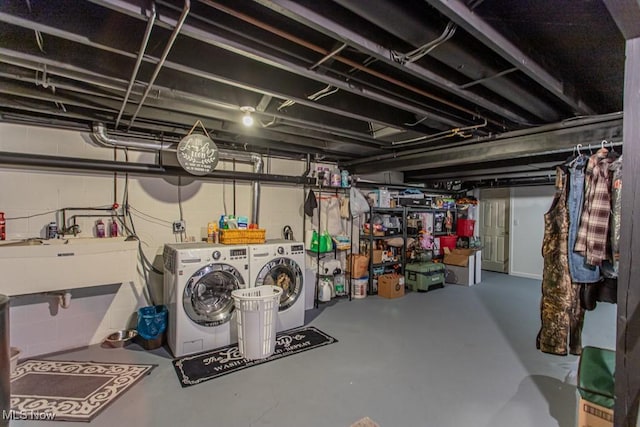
point(402, 214)
point(317, 254)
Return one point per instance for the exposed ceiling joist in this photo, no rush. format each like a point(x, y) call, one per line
point(459, 13)
point(626, 13)
point(546, 139)
point(325, 25)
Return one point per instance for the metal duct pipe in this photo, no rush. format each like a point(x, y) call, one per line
point(101, 137)
point(5, 362)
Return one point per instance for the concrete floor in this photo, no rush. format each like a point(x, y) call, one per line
point(452, 357)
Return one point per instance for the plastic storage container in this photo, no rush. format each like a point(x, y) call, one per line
point(425, 276)
point(465, 227)
point(359, 287)
point(257, 313)
point(596, 387)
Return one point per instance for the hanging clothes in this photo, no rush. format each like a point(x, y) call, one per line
point(560, 311)
point(593, 232)
point(580, 271)
point(616, 208)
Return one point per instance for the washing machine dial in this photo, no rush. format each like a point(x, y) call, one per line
point(216, 255)
point(280, 250)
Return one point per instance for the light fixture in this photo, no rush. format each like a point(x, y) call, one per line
point(247, 118)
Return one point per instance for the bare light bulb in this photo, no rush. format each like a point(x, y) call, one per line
point(247, 120)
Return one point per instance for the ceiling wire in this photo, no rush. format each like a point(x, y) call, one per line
point(423, 50)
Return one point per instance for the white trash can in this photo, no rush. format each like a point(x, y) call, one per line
point(256, 314)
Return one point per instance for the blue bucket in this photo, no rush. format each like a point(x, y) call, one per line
point(152, 321)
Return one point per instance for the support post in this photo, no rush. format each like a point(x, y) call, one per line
point(627, 376)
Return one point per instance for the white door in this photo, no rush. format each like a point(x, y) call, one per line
point(494, 229)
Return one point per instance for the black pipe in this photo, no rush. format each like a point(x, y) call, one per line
point(92, 165)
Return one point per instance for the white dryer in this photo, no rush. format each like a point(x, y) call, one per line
point(198, 280)
point(281, 263)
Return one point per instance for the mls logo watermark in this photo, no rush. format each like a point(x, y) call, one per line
point(27, 415)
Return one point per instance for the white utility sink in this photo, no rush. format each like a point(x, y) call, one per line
point(60, 264)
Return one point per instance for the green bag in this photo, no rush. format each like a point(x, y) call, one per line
point(315, 242)
point(326, 242)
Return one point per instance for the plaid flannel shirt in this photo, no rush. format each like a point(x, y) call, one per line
point(593, 232)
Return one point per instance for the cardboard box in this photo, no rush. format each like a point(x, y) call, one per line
point(377, 256)
point(389, 286)
point(461, 275)
point(592, 415)
point(459, 257)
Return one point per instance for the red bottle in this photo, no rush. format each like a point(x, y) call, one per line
point(3, 234)
point(113, 229)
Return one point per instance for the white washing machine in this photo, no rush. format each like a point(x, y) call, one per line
point(281, 263)
point(198, 280)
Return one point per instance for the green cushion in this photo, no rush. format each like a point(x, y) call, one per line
point(596, 374)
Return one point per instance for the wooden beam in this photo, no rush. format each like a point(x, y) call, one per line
point(626, 14)
point(627, 376)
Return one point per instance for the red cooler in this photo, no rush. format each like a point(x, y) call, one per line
point(465, 227)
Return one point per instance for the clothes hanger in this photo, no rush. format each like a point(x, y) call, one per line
point(575, 156)
point(603, 150)
point(613, 154)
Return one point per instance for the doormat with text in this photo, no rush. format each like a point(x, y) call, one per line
point(197, 368)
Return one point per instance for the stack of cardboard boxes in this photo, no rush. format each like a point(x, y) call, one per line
point(464, 266)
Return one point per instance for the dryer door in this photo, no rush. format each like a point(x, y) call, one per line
point(207, 295)
point(286, 274)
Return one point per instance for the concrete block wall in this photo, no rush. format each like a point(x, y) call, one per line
point(32, 198)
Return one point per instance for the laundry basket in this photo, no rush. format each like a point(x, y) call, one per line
point(256, 314)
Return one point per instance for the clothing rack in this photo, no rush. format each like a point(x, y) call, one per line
point(319, 197)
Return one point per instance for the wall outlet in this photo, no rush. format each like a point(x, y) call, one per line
point(179, 226)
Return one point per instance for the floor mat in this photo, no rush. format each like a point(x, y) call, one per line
point(201, 367)
point(69, 391)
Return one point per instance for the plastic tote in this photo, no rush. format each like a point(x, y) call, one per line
point(465, 227)
point(256, 314)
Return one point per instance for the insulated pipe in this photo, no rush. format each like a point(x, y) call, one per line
point(163, 58)
point(143, 47)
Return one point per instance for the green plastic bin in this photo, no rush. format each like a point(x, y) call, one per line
point(596, 373)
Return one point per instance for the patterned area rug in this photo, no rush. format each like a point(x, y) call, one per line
point(69, 391)
point(201, 367)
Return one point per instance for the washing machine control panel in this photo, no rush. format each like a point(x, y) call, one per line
point(236, 254)
point(297, 249)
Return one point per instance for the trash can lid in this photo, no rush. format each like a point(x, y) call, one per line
point(596, 376)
